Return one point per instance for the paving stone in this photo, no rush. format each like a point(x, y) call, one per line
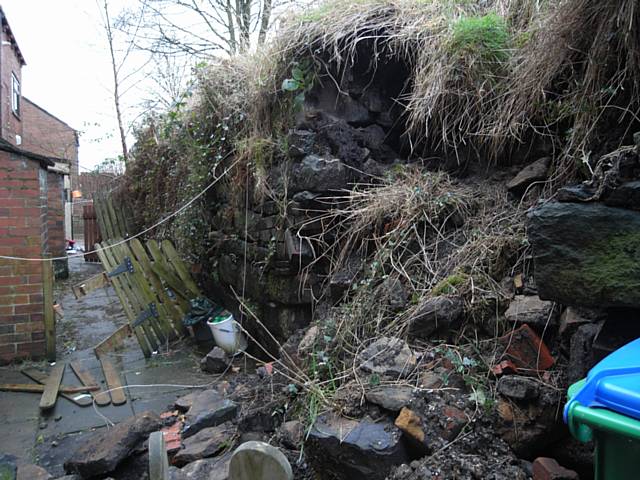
point(32, 472)
point(208, 409)
point(259, 461)
point(104, 450)
point(8, 468)
point(208, 442)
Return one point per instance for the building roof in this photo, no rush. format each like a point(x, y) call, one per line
point(12, 38)
point(45, 162)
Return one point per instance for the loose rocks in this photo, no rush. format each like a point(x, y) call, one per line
point(387, 356)
point(209, 409)
point(207, 442)
point(103, 451)
point(216, 361)
point(339, 448)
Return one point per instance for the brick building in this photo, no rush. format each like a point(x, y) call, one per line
point(47, 135)
point(31, 225)
point(32, 128)
point(38, 158)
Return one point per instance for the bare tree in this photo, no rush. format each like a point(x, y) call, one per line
point(203, 27)
point(116, 67)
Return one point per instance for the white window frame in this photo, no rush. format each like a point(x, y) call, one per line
point(15, 95)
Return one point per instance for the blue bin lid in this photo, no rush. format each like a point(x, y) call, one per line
point(614, 383)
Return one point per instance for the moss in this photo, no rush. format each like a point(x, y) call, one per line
point(450, 284)
point(486, 36)
point(614, 262)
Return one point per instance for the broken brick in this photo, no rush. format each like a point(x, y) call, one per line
point(411, 424)
point(172, 437)
point(455, 420)
point(524, 348)
point(505, 367)
point(548, 469)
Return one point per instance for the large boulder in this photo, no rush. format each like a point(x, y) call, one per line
point(104, 450)
point(586, 254)
point(340, 448)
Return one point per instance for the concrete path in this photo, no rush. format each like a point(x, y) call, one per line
point(49, 440)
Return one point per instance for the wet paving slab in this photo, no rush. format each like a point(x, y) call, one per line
point(50, 438)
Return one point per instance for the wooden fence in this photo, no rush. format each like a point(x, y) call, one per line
point(91, 232)
point(154, 287)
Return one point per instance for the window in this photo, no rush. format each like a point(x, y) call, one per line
point(15, 94)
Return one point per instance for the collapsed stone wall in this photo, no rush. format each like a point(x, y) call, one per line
point(261, 249)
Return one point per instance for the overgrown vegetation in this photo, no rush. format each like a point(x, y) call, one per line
point(484, 78)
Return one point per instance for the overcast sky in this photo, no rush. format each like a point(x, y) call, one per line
point(68, 68)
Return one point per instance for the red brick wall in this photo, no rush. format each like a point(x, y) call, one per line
point(23, 218)
point(9, 63)
point(55, 223)
point(49, 136)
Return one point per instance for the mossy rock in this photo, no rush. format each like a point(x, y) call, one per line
point(586, 254)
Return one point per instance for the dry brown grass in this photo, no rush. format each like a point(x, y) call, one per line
point(580, 67)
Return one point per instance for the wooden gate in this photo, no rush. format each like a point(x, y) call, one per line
point(91, 232)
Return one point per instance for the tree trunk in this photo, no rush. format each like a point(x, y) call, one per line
point(264, 21)
point(233, 44)
point(116, 83)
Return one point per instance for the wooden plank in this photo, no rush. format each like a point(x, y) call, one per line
point(90, 284)
point(84, 375)
point(122, 224)
point(49, 316)
point(114, 219)
point(164, 270)
point(151, 329)
point(41, 377)
point(175, 310)
point(103, 220)
point(113, 341)
point(38, 388)
point(139, 283)
point(114, 383)
point(120, 291)
point(180, 267)
point(51, 386)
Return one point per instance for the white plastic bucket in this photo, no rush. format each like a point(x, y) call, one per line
point(227, 335)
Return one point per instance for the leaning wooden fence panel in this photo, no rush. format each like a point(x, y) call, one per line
point(153, 285)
